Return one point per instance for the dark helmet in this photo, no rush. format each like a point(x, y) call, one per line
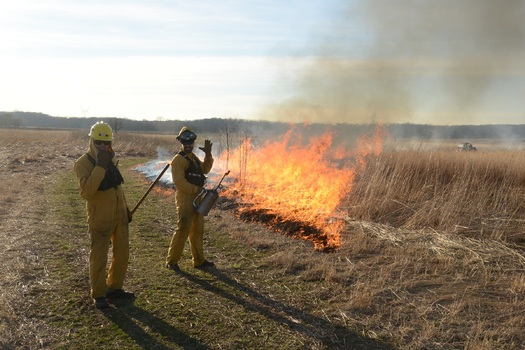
point(186, 136)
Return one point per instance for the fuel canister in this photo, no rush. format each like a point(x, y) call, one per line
point(204, 207)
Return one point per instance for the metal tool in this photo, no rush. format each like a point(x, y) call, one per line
point(209, 197)
point(150, 187)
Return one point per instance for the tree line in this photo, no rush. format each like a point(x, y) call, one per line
point(40, 120)
point(19, 119)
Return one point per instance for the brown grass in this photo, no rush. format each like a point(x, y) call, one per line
point(475, 193)
point(430, 259)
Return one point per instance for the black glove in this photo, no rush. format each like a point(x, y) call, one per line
point(103, 159)
point(130, 216)
point(207, 147)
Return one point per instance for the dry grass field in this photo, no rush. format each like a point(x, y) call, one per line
point(431, 257)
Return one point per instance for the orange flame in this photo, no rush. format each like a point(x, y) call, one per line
point(164, 191)
point(303, 182)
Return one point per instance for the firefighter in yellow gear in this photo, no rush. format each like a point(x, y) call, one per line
point(108, 216)
point(188, 171)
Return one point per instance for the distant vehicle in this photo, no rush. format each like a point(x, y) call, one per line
point(466, 147)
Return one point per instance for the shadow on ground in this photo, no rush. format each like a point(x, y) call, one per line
point(134, 320)
point(330, 335)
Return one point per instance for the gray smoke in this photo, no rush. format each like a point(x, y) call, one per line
point(419, 61)
point(152, 169)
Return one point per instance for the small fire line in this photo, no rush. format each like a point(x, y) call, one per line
point(287, 227)
point(291, 228)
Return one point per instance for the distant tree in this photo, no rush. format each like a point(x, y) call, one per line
point(116, 124)
point(7, 120)
point(226, 130)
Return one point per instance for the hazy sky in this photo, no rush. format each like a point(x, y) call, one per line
point(356, 61)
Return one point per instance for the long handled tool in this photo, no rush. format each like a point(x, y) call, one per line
point(150, 187)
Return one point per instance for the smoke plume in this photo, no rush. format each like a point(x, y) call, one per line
point(436, 62)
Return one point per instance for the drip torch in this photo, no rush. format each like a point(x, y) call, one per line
point(209, 197)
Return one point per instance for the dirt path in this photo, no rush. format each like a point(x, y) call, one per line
point(27, 164)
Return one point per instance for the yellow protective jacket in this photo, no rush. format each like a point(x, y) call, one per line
point(107, 222)
point(104, 208)
point(185, 190)
point(190, 224)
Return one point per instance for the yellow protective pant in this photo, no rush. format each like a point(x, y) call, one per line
point(102, 236)
point(190, 225)
point(98, 256)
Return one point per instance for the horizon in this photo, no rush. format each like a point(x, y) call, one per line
point(358, 61)
point(302, 124)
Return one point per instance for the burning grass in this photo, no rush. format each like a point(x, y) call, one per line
point(297, 185)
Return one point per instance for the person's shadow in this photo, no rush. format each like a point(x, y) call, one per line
point(332, 336)
point(131, 319)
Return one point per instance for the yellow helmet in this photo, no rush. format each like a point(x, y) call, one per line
point(101, 131)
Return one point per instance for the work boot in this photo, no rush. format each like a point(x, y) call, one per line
point(174, 267)
point(101, 303)
point(119, 294)
point(205, 265)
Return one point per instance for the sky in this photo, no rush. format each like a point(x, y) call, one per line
point(336, 61)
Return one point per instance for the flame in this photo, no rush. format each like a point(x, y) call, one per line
point(300, 181)
point(293, 183)
point(164, 191)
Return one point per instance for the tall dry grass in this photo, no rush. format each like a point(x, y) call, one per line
point(473, 193)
